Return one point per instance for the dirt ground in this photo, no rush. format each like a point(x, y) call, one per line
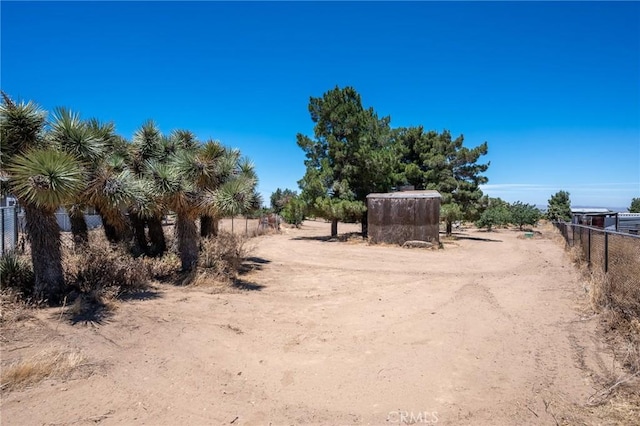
point(493, 329)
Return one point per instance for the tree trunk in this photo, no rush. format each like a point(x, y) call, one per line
point(79, 228)
point(365, 225)
point(208, 226)
point(46, 254)
point(334, 227)
point(157, 242)
point(140, 245)
point(187, 237)
point(449, 227)
point(110, 231)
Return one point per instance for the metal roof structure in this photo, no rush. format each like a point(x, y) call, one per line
point(428, 193)
point(591, 210)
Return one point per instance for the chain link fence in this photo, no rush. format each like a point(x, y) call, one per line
point(9, 229)
point(615, 256)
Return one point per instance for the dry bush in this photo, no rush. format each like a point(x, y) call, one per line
point(46, 364)
point(163, 267)
point(222, 256)
point(13, 307)
point(102, 268)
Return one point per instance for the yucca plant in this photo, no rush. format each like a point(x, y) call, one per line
point(111, 191)
point(43, 179)
point(175, 186)
point(87, 143)
point(224, 162)
point(149, 146)
point(16, 273)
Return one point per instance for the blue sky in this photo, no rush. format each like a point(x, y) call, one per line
point(554, 88)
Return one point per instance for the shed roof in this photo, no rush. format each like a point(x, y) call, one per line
point(587, 210)
point(407, 194)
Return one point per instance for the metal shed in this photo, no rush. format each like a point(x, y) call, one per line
point(398, 217)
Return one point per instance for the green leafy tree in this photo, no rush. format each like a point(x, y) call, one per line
point(635, 206)
point(339, 209)
point(559, 207)
point(524, 214)
point(294, 211)
point(43, 179)
point(432, 160)
point(450, 213)
point(496, 214)
point(280, 198)
point(349, 157)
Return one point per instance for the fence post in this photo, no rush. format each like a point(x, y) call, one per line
point(589, 247)
point(573, 235)
point(2, 246)
point(606, 252)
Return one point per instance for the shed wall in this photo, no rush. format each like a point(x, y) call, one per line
point(397, 220)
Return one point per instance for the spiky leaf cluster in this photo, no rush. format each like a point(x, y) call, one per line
point(45, 178)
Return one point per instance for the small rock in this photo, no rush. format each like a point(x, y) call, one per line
point(417, 244)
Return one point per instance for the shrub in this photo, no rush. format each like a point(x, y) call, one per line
point(494, 216)
point(524, 214)
point(294, 211)
point(163, 267)
point(222, 256)
point(16, 273)
point(102, 267)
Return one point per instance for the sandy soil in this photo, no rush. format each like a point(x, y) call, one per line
point(489, 330)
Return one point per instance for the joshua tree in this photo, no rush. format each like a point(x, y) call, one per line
point(175, 184)
point(225, 164)
point(149, 146)
point(70, 134)
point(43, 179)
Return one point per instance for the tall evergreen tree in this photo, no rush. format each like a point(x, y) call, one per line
point(432, 160)
point(559, 207)
point(349, 157)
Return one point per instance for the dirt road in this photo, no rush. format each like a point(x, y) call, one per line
point(489, 330)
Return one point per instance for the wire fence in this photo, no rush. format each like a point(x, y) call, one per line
point(614, 256)
point(8, 229)
point(14, 237)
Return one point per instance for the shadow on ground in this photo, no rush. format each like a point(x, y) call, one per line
point(252, 264)
point(329, 239)
point(141, 295)
point(468, 237)
point(88, 310)
point(244, 285)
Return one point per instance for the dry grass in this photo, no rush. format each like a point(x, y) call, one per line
point(51, 363)
point(102, 267)
point(615, 294)
point(622, 284)
point(162, 268)
point(221, 257)
point(12, 307)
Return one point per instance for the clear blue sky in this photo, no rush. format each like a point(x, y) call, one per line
point(554, 88)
